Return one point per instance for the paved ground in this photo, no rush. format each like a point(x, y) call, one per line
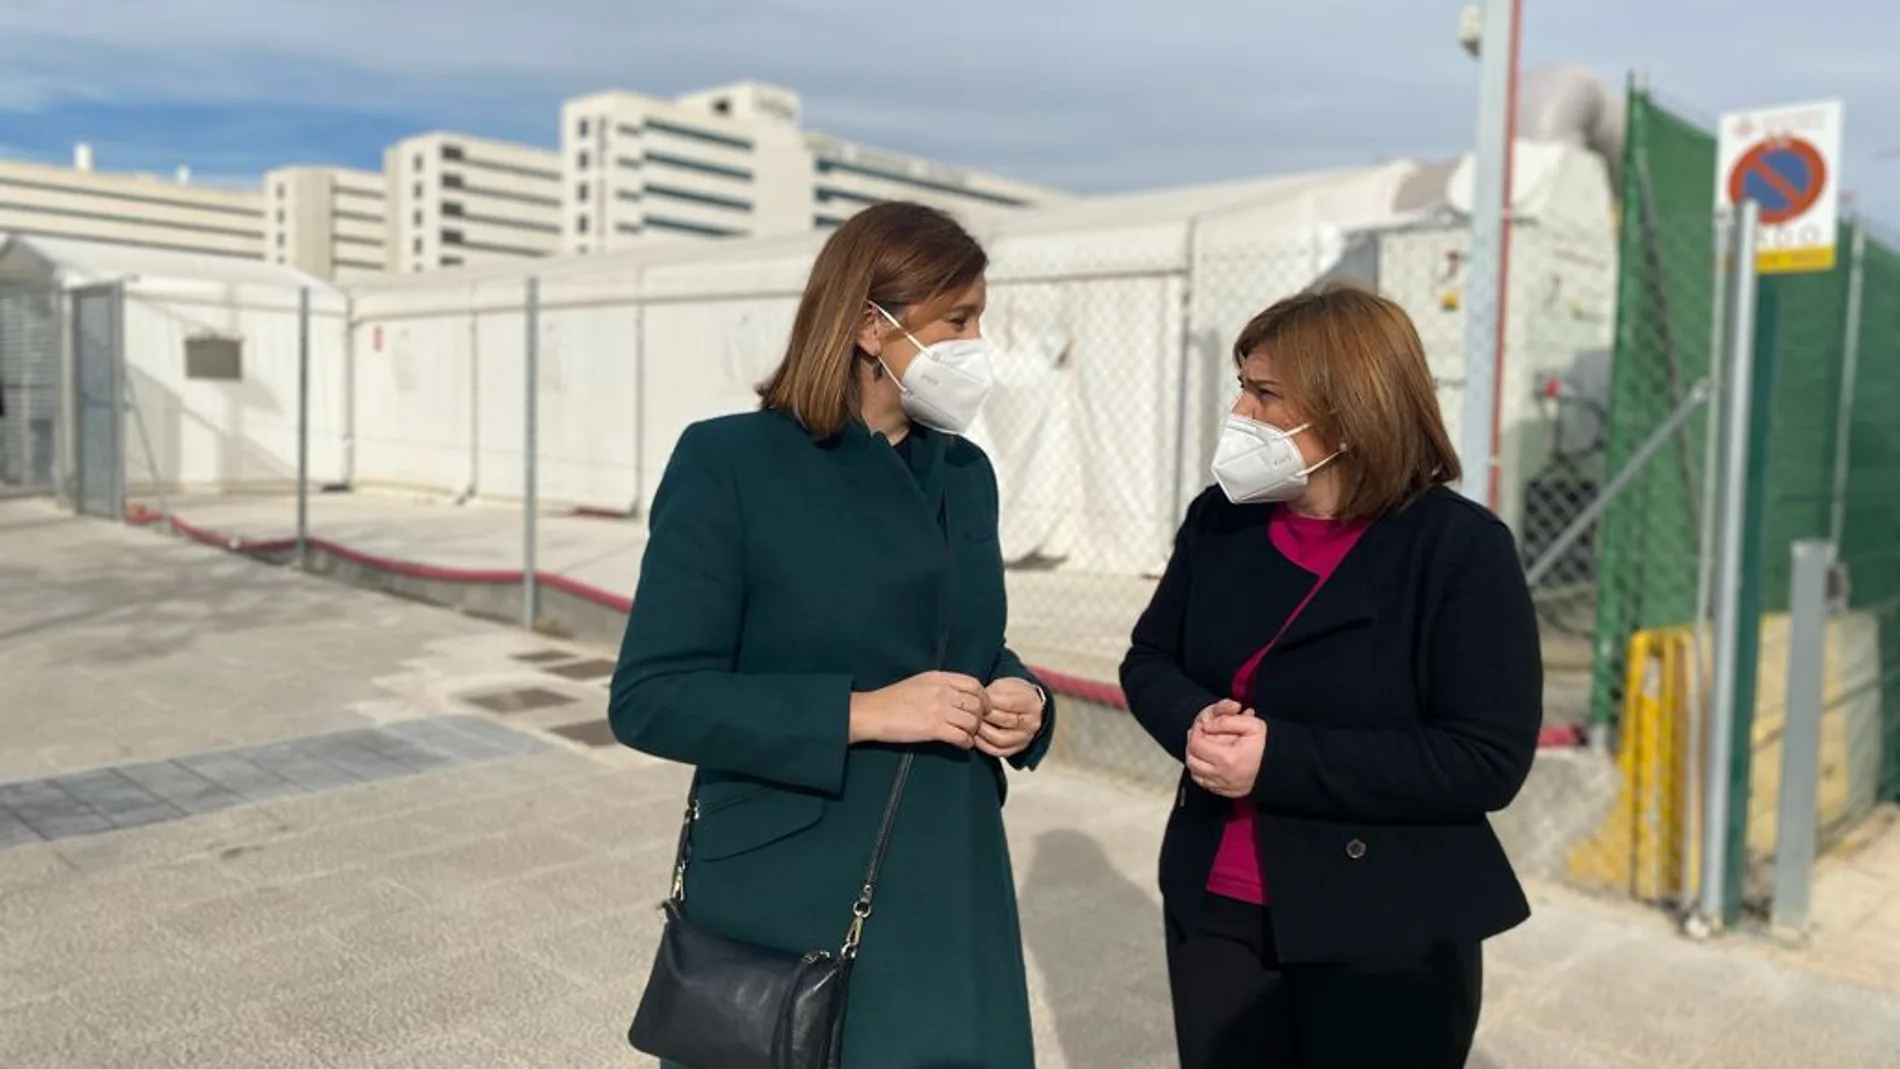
point(1072, 622)
point(345, 835)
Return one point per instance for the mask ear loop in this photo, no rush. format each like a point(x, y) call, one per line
point(884, 370)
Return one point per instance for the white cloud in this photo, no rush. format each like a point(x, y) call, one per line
point(1089, 93)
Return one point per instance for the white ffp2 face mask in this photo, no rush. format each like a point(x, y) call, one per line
point(1257, 462)
point(945, 385)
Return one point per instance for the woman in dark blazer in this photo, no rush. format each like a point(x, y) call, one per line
point(822, 591)
point(1344, 656)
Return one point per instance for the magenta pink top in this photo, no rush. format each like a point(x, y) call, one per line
point(1317, 546)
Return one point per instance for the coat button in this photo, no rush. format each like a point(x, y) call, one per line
point(1355, 849)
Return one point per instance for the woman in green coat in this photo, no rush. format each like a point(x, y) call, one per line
point(822, 591)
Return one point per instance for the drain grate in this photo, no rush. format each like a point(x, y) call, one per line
point(525, 700)
point(587, 732)
point(592, 668)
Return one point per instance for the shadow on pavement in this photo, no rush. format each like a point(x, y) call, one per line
point(1096, 938)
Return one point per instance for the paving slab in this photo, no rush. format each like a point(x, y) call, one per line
point(491, 904)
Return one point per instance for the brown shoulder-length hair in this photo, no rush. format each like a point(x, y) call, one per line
point(1352, 361)
point(896, 255)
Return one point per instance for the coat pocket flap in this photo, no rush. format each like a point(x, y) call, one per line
point(736, 825)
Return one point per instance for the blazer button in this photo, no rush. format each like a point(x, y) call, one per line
point(1355, 849)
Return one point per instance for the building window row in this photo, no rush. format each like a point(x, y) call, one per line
point(502, 194)
point(163, 246)
point(710, 200)
point(522, 169)
point(840, 166)
point(701, 166)
point(661, 222)
point(527, 226)
point(131, 198)
point(255, 232)
point(828, 194)
point(694, 133)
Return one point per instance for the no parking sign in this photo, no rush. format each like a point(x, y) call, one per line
point(1787, 160)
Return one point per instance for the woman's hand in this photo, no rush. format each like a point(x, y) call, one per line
point(1225, 748)
point(1014, 718)
point(931, 707)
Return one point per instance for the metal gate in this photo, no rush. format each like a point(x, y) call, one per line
point(99, 371)
point(29, 388)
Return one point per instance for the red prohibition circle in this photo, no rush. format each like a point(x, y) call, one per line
point(1786, 176)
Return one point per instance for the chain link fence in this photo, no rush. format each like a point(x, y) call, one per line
point(30, 388)
point(1819, 467)
point(1115, 364)
point(454, 405)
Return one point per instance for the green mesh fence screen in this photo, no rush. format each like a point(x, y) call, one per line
point(1668, 304)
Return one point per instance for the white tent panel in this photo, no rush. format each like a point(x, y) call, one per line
point(1113, 317)
point(228, 433)
point(415, 418)
point(588, 428)
point(1028, 425)
point(703, 358)
point(501, 416)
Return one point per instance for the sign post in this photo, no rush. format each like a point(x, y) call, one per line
point(1788, 160)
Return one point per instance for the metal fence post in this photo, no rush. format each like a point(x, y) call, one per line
point(530, 492)
point(1183, 381)
point(303, 427)
point(1795, 829)
point(1727, 587)
point(1697, 715)
point(1486, 315)
point(1850, 372)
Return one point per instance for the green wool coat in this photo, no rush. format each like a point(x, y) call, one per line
point(781, 574)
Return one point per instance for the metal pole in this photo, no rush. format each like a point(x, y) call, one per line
point(303, 427)
point(347, 477)
point(66, 420)
point(128, 398)
point(1748, 596)
point(1850, 372)
point(1728, 584)
point(1183, 381)
point(640, 395)
point(530, 445)
point(23, 413)
point(1485, 305)
point(1801, 734)
point(1651, 446)
point(1696, 715)
point(474, 399)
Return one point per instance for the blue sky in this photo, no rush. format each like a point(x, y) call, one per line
point(1086, 94)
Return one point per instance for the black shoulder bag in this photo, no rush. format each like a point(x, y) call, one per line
point(716, 1003)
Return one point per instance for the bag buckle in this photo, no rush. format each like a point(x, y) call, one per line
point(860, 912)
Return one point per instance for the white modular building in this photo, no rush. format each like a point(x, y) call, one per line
point(166, 371)
point(1114, 318)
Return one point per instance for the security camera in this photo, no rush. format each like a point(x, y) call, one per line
point(1471, 29)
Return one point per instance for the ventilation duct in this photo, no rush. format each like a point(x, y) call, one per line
point(1572, 105)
